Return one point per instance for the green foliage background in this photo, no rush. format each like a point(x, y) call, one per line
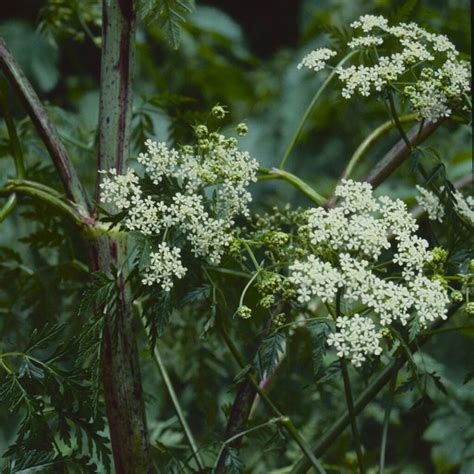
point(42, 272)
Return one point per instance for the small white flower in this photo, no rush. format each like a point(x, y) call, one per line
point(465, 206)
point(365, 42)
point(345, 246)
point(433, 75)
point(431, 204)
point(165, 266)
point(369, 22)
point(356, 338)
point(314, 277)
point(317, 59)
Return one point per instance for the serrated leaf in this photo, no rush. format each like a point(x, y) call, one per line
point(171, 14)
point(331, 372)
point(233, 463)
point(157, 312)
point(319, 334)
point(200, 293)
point(269, 353)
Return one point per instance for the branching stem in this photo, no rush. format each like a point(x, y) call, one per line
point(175, 400)
point(309, 110)
point(386, 423)
point(349, 397)
point(296, 182)
point(288, 424)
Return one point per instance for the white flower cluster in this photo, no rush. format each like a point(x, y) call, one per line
point(317, 59)
point(431, 204)
point(197, 192)
point(356, 337)
point(440, 77)
point(345, 249)
point(465, 207)
point(436, 211)
point(165, 266)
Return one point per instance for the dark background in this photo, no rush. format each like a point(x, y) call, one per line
point(268, 25)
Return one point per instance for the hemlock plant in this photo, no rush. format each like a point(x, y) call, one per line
point(172, 234)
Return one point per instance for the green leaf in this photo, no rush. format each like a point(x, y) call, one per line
point(413, 329)
point(233, 463)
point(333, 371)
point(319, 334)
point(171, 14)
point(37, 57)
point(269, 353)
point(157, 311)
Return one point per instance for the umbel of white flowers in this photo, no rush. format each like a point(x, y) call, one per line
point(345, 249)
point(197, 192)
point(441, 78)
point(435, 209)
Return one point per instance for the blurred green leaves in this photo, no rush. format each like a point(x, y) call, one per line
point(36, 55)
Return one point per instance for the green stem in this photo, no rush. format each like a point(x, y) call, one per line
point(288, 424)
point(44, 194)
point(393, 111)
point(252, 257)
point(296, 182)
point(14, 140)
point(352, 414)
point(177, 406)
point(45, 128)
point(309, 110)
point(8, 207)
point(120, 371)
point(240, 435)
point(370, 140)
point(372, 390)
point(445, 330)
point(247, 286)
point(16, 150)
point(349, 397)
point(294, 433)
point(386, 423)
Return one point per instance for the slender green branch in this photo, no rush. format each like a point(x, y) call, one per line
point(237, 436)
point(394, 113)
point(295, 434)
point(8, 207)
point(47, 131)
point(445, 330)
point(372, 390)
point(252, 257)
point(288, 424)
point(296, 182)
point(349, 397)
point(309, 110)
point(352, 414)
point(16, 150)
point(247, 287)
point(174, 399)
point(14, 140)
point(44, 194)
point(386, 422)
point(370, 140)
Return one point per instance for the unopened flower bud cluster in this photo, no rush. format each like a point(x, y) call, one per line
point(425, 67)
point(197, 192)
point(346, 249)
